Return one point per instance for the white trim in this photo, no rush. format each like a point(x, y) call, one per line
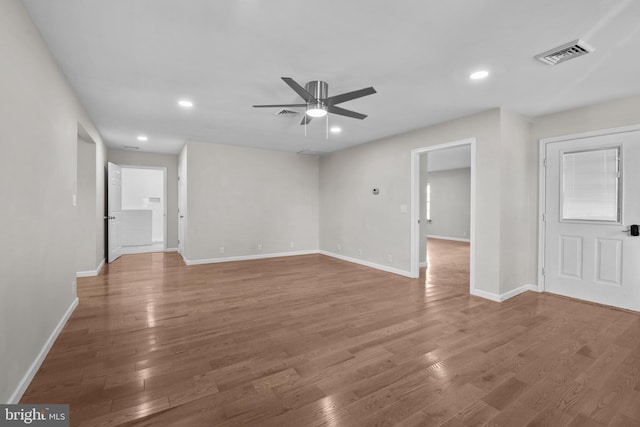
point(423, 264)
point(415, 207)
point(455, 239)
point(246, 257)
point(171, 250)
point(33, 369)
point(542, 183)
point(542, 208)
point(590, 134)
point(369, 264)
point(91, 273)
point(505, 296)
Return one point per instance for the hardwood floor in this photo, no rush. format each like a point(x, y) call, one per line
point(315, 341)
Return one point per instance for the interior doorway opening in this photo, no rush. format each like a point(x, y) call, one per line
point(143, 226)
point(443, 212)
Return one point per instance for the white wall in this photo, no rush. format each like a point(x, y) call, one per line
point(350, 216)
point(517, 213)
point(239, 198)
point(40, 123)
point(169, 161)
point(450, 203)
point(424, 168)
point(138, 186)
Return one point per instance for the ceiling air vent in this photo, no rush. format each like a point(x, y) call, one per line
point(286, 113)
point(564, 53)
point(130, 147)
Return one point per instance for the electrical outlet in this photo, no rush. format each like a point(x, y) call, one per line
point(389, 257)
point(360, 252)
point(259, 246)
point(291, 244)
point(221, 249)
point(339, 247)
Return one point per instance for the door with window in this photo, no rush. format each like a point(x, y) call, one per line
point(592, 208)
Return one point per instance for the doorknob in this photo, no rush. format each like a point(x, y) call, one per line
point(633, 230)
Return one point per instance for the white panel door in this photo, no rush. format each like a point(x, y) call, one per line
point(114, 208)
point(592, 197)
point(181, 209)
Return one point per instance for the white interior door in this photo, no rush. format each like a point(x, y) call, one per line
point(592, 188)
point(114, 208)
point(181, 210)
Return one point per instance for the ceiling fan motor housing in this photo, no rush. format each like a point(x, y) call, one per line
point(319, 90)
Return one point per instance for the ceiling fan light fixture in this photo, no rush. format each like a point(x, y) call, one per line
point(316, 110)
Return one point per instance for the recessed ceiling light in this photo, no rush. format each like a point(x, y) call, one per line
point(335, 129)
point(479, 75)
point(143, 138)
point(185, 103)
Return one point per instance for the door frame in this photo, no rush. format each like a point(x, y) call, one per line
point(164, 195)
point(415, 207)
point(542, 182)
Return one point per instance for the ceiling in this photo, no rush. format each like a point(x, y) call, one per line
point(130, 61)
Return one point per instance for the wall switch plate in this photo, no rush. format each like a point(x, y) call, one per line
point(74, 200)
point(403, 208)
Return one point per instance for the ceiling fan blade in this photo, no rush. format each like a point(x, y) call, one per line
point(305, 120)
point(280, 105)
point(299, 89)
point(343, 97)
point(344, 112)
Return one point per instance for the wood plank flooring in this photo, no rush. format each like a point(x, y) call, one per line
point(315, 341)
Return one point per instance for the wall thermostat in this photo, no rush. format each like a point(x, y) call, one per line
point(376, 191)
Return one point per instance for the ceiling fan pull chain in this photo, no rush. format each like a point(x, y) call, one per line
point(327, 127)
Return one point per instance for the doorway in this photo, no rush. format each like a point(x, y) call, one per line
point(589, 217)
point(88, 257)
point(420, 205)
point(142, 220)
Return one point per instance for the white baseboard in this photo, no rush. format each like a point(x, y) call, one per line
point(455, 239)
point(33, 369)
point(171, 250)
point(423, 264)
point(245, 257)
point(369, 264)
point(91, 273)
point(505, 296)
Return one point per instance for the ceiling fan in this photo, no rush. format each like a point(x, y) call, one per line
point(318, 103)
